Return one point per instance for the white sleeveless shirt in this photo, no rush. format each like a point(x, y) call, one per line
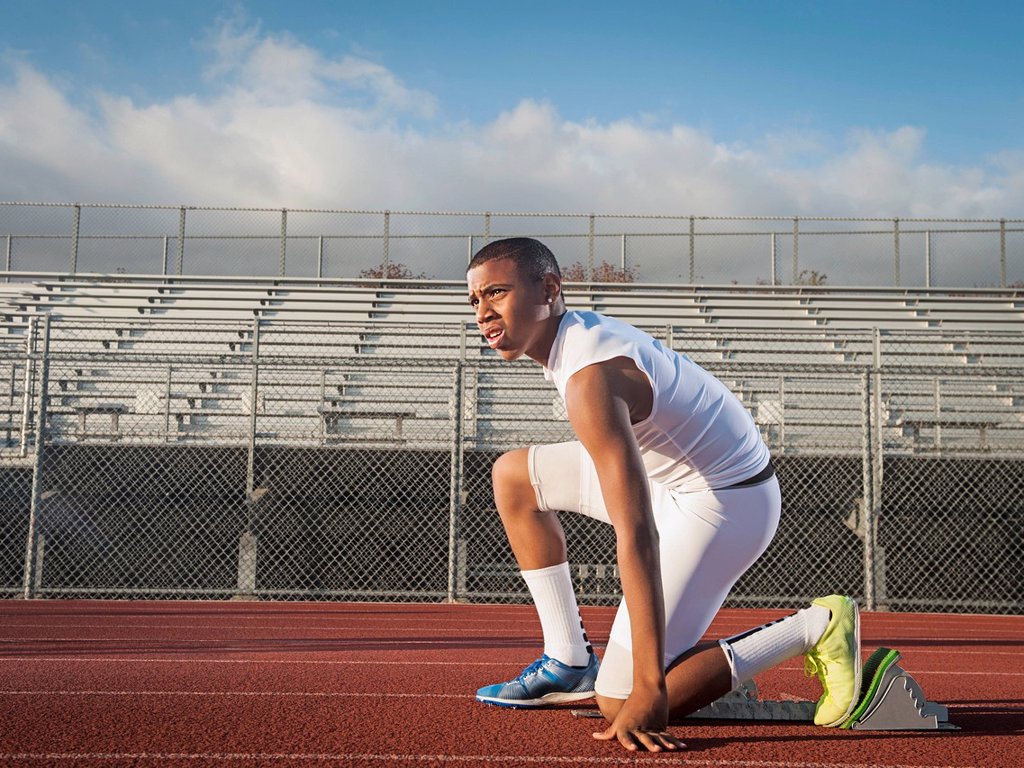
point(698, 435)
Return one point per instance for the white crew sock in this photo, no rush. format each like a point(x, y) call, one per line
point(564, 638)
point(757, 650)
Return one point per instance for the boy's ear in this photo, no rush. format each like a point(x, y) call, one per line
point(552, 287)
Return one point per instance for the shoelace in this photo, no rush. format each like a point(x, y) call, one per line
point(534, 668)
point(814, 667)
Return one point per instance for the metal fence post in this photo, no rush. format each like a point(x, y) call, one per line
point(181, 241)
point(928, 259)
point(775, 279)
point(781, 391)
point(387, 245)
point(622, 254)
point(863, 525)
point(455, 486)
point(896, 253)
point(796, 251)
point(247, 544)
point(693, 252)
point(1002, 253)
point(167, 404)
point(30, 370)
point(253, 394)
point(284, 241)
point(163, 267)
point(37, 466)
point(590, 248)
point(75, 228)
point(7, 255)
point(874, 563)
point(12, 387)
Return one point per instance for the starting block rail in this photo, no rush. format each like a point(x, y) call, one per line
point(890, 700)
point(744, 704)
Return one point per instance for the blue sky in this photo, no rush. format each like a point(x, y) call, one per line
point(841, 108)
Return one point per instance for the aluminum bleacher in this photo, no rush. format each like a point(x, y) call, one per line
point(142, 358)
point(434, 301)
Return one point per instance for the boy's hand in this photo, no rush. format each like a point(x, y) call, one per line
point(641, 723)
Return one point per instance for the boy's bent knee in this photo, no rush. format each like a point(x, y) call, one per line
point(510, 476)
point(511, 468)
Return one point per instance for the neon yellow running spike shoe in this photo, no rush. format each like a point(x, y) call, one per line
point(835, 659)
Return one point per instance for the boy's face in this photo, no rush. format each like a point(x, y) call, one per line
point(512, 311)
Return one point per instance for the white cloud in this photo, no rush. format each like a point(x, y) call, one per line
point(279, 70)
point(280, 124)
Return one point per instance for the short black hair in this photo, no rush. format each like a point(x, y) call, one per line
point(533, 259)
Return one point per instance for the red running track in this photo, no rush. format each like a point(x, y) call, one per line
point(251, 684)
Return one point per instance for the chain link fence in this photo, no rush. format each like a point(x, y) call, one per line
point(190, 240)
point(283, 460)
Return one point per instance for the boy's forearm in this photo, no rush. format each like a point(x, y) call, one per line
point(639, 570)
point(637, 551)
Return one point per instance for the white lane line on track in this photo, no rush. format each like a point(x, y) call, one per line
point(352, 643)
point(227, 612)
point(364, 627)
point(678, 758)
point(914, 650)
point(374, 662)
point(323, 694)
point(360, 630)
point(377, 641)
point(431, 627)
point(268, 694)
point(318, 695)
point(420, 623)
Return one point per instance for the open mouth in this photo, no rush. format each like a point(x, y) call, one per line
point(493, 336)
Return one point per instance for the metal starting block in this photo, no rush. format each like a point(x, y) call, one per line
point(890, 700)
point(744, 704)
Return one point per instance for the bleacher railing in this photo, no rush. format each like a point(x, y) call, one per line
point(770, 250)
point(282, 460)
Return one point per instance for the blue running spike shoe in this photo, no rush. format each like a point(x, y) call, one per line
point(546, 681)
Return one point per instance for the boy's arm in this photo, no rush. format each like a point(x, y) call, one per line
point(599, 399)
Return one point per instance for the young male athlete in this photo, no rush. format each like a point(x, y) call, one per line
point(671, 459)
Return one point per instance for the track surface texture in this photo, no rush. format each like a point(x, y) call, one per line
point(161, 684)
